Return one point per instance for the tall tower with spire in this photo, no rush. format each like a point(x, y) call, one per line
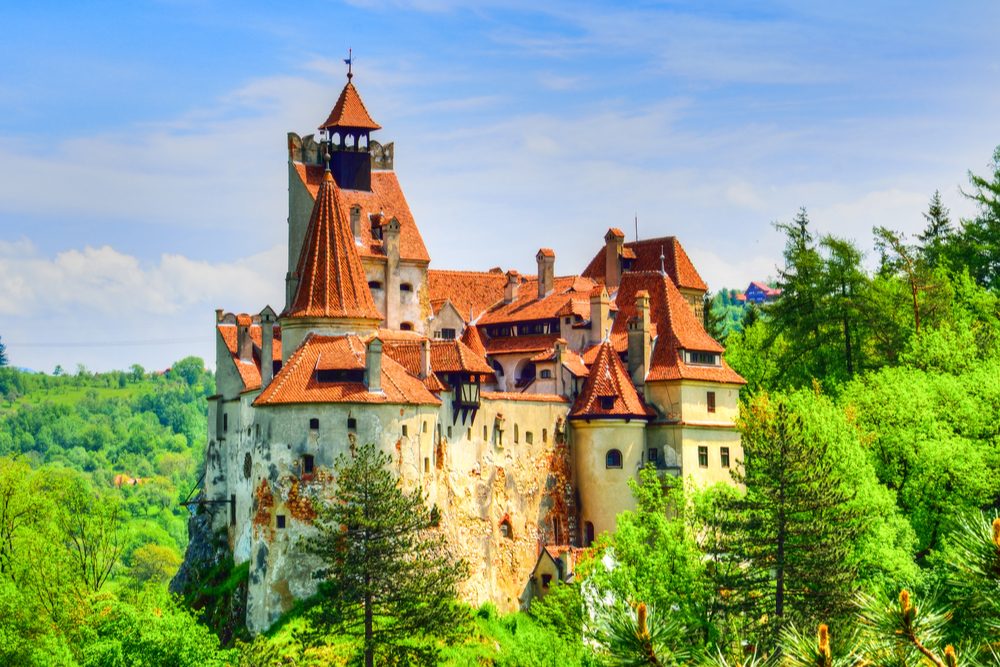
point(346, 134)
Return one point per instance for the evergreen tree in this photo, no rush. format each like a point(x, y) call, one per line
point(842, 289)
point(938, 233)
point(715, 323)
point(383, 559)
point(980, 242)
point(792, 531)
point(3, 354)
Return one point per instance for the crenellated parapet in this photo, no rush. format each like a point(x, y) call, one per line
point(308, 150)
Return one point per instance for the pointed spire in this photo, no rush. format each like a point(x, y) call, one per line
point(663, 270)
point(332, 281)
point(608, 391)
point(350, 111)
point(473, 340)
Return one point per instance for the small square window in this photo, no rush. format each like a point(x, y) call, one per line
point(703, 457)
point(711, 401)
point(529, 437)
point(314, 424)
point(352, 424)
point(546, 580)
point(607, 402)
point(653, 455)
point(725, 457)
point(279, 521)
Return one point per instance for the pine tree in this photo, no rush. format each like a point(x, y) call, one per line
point(3, 354)
point(390, 577)
point(980, 236)
point(938, 232)
point(842, 287)
point(791, 532)
point(714, 323)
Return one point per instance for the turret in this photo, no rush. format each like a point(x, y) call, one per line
point(346, 135)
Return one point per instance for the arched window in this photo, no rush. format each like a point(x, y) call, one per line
point(506, 530)
point(613, 459)
point(335, 139)
point(406, 326)
point(349, 141)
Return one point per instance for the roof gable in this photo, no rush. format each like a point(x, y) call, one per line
point(608, 392)
point(350, 111)
point(645, 256)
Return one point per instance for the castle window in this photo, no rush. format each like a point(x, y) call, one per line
point(705, 358)
point(279, 521)
point(468, 435)
point(546, 374)
point(406, 326)
point(506, 530)
point(711, 401)
point(374, 284)
point(352, 424)
point(703, 457)
point(232, 510)
point(724, 453)
point(588, 534)
point(405, 430)
point(405, 287)
point(613, 459)
point(225, 423)
point(427, 464)
point(449, 433)
point(377, 229)
point(308, 464)
point(424, 427)
point(529, 437)
point(515, 434)
point(314, 424)
point(546, 581)
point(545, 435)
point(447, 334)
point(607, 402)
point(497, 368)
point(486, 434)
point(653, 455)
point(325, 375)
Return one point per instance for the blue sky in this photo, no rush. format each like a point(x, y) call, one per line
point(142, 144)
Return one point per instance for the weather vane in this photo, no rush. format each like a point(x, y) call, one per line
point(349, 61)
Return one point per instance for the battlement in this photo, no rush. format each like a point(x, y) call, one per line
point(309, 151)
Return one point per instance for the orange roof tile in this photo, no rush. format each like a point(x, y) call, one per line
point(454, 356)
point(471, 292)
point(571, 361)
point(332, 282)
point(350, 111)
point(249, 372)
point(645, 256)
point(609, 382)
point(297, 381)
point(473, 340)
point(512, 396)
point(386, 198)
point(569, 295)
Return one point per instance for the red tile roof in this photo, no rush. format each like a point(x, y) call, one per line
point(473, 340)
point(249, 371)
point(385, 199)
point(297, 382)
point(513, 396)
point(569, 295)
point(350, 111)
point(471, 292)
point(609, 380)
point(332, 282)
point(646, 257)
point(571, 361)
point(447, 356)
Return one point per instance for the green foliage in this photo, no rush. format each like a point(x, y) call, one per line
point(561, 611)
point(389, 573)
point(633, 637)
point(3, 354)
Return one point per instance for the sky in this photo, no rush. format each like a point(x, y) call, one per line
point(143, 163)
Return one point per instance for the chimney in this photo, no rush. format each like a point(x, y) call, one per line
point(546, 271)
point(614, 242)
point(267, 319)
point(390, 242)
point(510, 289)
point(219, 313)
point(638, 340)
point(244, 344)
point(560, 350)
point(425, 358)
point(600, 308)
point(373, 366)
point(356, 222)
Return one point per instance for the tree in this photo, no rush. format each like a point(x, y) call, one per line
point(3, 354)
point(383, 559)
point(843, 286)
point(980, 236)
point(938, 233)
point(793, 529)
point(714, 322)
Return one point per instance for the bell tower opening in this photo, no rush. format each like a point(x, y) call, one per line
point(345, 135)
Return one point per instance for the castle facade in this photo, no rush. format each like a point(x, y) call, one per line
point(520, 404)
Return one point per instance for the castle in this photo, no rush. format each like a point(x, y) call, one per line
point(520, 404)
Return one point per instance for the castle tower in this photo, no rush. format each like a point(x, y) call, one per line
point(609, 432)
point(346, 134)
point(332, 295)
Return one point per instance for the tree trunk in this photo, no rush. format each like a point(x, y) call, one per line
point(369, 647)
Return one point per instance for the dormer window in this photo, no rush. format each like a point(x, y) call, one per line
point(377, 229)
point(702, 358)
point(331, 375)
point(406, 326)
point(607, 402)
